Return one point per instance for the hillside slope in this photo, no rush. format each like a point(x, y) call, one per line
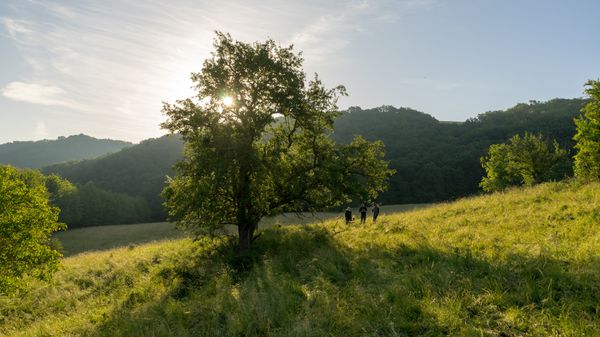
point(35, 154)
point(139, 170)
point(520, 263)
point(436, 161)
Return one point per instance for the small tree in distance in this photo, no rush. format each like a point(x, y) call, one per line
point(587, 160)
point(526, 160)
point(258, 143)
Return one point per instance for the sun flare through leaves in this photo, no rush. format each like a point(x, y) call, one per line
point(227, 100)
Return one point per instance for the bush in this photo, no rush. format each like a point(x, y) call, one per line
point(526, 160)
point(26, 222)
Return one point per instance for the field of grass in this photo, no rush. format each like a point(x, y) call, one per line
point(520, 263)
point(107, 237)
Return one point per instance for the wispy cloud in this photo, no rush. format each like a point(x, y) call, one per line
point(325, 37)
point(121, 59)
point(96, 60)
point(39, 94)
point(14, 27)
point(328, 34)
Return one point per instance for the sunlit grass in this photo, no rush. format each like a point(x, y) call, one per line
point(520, 263)
point(80, 240)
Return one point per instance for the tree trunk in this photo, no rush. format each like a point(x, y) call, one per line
point(245, 219)
point(246, 236)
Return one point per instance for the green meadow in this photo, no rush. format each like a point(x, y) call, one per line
point(107, 237)
point(519, 263)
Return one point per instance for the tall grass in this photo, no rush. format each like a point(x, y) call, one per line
point(520, 263)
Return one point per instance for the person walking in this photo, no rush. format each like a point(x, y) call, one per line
point(375, 212)
point(363, 213)
point(348, 215)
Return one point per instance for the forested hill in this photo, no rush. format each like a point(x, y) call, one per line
point(36, 154)
point(434, 160)
point(440, 161)
point(139, 170)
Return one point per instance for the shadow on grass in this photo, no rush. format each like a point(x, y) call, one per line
point(303, 282)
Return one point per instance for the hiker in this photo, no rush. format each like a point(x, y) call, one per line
point(348, 215)
point(375, 212)
point(363, 213)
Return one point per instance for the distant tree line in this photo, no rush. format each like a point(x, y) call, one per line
point(531, 159)
point(436, 161)
point(87, 204)
point(36, 154)
point(139, 171)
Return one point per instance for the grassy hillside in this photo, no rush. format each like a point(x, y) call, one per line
point(520, 263)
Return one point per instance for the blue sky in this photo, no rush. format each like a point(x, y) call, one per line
point(103, 67)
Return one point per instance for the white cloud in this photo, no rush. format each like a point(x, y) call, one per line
point(120, 60)
point(39, 94)
point(14, 27)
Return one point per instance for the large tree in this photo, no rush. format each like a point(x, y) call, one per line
point(26, 221)
point(587, 159)
point(257, 143)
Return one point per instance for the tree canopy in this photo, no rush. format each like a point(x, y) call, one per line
point(258, 142)
point(26, 222)
point(587, 160)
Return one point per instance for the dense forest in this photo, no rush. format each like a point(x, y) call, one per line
point(437, 160)
point(434, 160)
point(36, 154)
point(137, 171)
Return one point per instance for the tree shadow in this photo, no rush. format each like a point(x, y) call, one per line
point(304, 282)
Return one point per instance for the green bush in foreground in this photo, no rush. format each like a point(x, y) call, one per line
point(26, 222)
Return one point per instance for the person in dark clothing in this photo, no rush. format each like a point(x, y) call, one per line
point(348, 215)
point(363, 213)
point(375, 212)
